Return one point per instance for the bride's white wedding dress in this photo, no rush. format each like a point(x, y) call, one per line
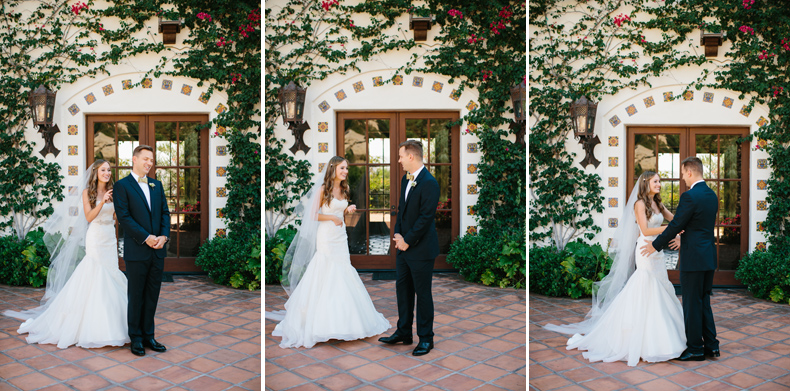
point(330, 301)
point(90, 310)
point(644, 320)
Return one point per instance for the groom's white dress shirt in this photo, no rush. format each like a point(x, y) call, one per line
point(695, 183)
point(408, 185)
point(146, 189)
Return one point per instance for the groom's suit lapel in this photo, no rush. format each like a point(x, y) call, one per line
point(418, 182)
point(139, 191)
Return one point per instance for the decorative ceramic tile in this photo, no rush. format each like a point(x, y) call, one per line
point(359, 87)
point(221, 130)
point(614, 121)
point(471, 105)
point(203, 98)
point(688, 95)
point(762, 205)
point(649, 102)
point(222, 192)
point(220, 213)
point(470, 210)
point(220, 108)
point(73, 211)
point(73, 109)
point(727, 102)
point(186, 89)
point(323, 106)
point(707, 97)
point(397, 80)
point(761, 184)
point(762, 121)
point(72, 130)
point(614, 141)
point(323, 147)
point(668, 96)
point(613, 222)
point(613, 202)
point(167, 85)
point(73, 190)
point(745, 111)
point(613, 181)
point(455, 95)
point(107, 89)
point(73, 170)
point(417, 82)
point(147, 83)
point(760, 246)
point(437, 86)
point(72, 150)
point(609, 242)
point(221, 233)
point(323, 127)
point(762, 142)
point(471, 189)
point(222, 171)
point(471, 230)
point(760, 226)
point(340, 95)
point(471, 147)
point(471, 168)
point(614, 162)
point(321, 167)
point(378, 81)
point(222, 150)
point(472, 127)
point(90, 98)
point(127, 84)
point(762, 163)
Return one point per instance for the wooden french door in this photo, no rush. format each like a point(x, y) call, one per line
point(726, 171)
point(181, 164)
point(370, 140)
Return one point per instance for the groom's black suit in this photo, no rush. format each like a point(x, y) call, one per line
point(144, 265)
point(696, 214)
point(414, 267)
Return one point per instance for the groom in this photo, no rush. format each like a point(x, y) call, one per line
point(696, 215)
point(142, 212)
point(418, 245)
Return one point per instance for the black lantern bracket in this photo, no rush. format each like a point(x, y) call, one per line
point(589, 143)
point(298, 132)
point(42, 106)
point(48, 133)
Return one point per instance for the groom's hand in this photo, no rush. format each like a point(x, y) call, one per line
point(674, 244)
point(151, 241)
point(160, 242)
point(648, 249)
point(400, 244)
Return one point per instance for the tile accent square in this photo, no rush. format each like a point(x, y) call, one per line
point(167, 85)
point(222, 192)
point(73, 109)
point(471, 105)
point(649, 102)
point(613, 222)
point(668, 96)
point(762, 205)
point(471, 230)
point(614, 181)
point(323, 106)
point(72, 150)
point(613, 203)
point(220, 213)
point(107, 89)
point(221, 130)
point(614, 141)
point(762, 121)
point(760, 246)
point(90, 98)
point(321, 167)
point(471, 147)
point(378, 81)
point(340, 95)
point(471, 189)
point(127, 84)
point(222, 171)
point(761, 226)
point(73, 190)
point(762, 142)
point(147, 82)
point(762, 163)
point(203, 98)
point(614, 121)
point(471, 126)
point(323, 147)
point(470, 210)
point(221, 233)
point(455, 95)
point(73, 211)
point(688, 95)
point(727, 102)
point(417, 82)
point(220, 108)
point(323, 127)
point(73, 170)
point(437, 87)
point(359, 87)
point(397, 80)
point(72, 130)
point(631, 110)
point(707, 97)
point(762, 185)
point(222, 150)
point(745, 111)
point(471, 168)
point(614, 162)
point(186, 89)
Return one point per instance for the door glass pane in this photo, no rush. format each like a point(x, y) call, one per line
point(121, 173)
point(128, 140)
point(730, 157)
point(355, 141)
point(670, 194)
point(175, 229)
point(443, 177)
point(440, 142)
point(189, 151)
point(729, 248)
point(189, 189)
point(356, 226)
point(644, 154)
point(707, 151)
point(417, 129)
point(169, 179)
point(104, 142)
point(189, 237)
point(166, 148)
point(356, 184)
point(379, 140)
point(380, 233)
point(379, 187)
point(669, 156)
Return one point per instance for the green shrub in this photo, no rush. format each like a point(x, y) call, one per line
point(275, 252)
point(25, 262)
point(229, 261)
point(545, 271)
point(510, 268)
point(472, 255)
point(766, 274)
point(571, 272)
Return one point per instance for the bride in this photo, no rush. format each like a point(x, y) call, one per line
point(85, 299)
point(327, 298)
point(634, 314)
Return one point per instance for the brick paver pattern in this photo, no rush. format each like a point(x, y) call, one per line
point(212, 334)
point(754, 338)
point(480, 344)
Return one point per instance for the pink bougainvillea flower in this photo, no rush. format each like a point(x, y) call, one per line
point(746, 29)
point(77, 7)
point(619, 19)
point(203, 15)
point(455, 12)
point(747, 4)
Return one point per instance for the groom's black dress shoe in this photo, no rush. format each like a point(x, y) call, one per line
point(422, 348)
point(395, 339)
point(155, 346)
point(712, 352)
point(137, 349)
point(686, 356)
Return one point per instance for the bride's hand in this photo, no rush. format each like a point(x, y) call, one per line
point(107, 196)
point(351, 209)
point(338, 222)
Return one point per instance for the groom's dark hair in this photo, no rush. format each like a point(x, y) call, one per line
point(413, 147)
point(692, 163)
point(142, 147)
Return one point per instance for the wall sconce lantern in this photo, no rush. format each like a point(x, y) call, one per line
point(518, 96)
point(292, 109)
point(711, 41)
point(42, 106)
point(420, 25)
point(583, 121)
point(169, 29)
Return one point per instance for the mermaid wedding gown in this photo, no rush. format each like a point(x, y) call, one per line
point(90, 310)
point(330, 301)
point(644, 320)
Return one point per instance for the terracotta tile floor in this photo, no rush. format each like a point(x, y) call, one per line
point(480, 344)
point(212, 332)
point(755, 351)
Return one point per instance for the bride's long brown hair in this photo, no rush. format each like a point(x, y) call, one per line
point(643, 184)
point(329, 181)
point(93, 182)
